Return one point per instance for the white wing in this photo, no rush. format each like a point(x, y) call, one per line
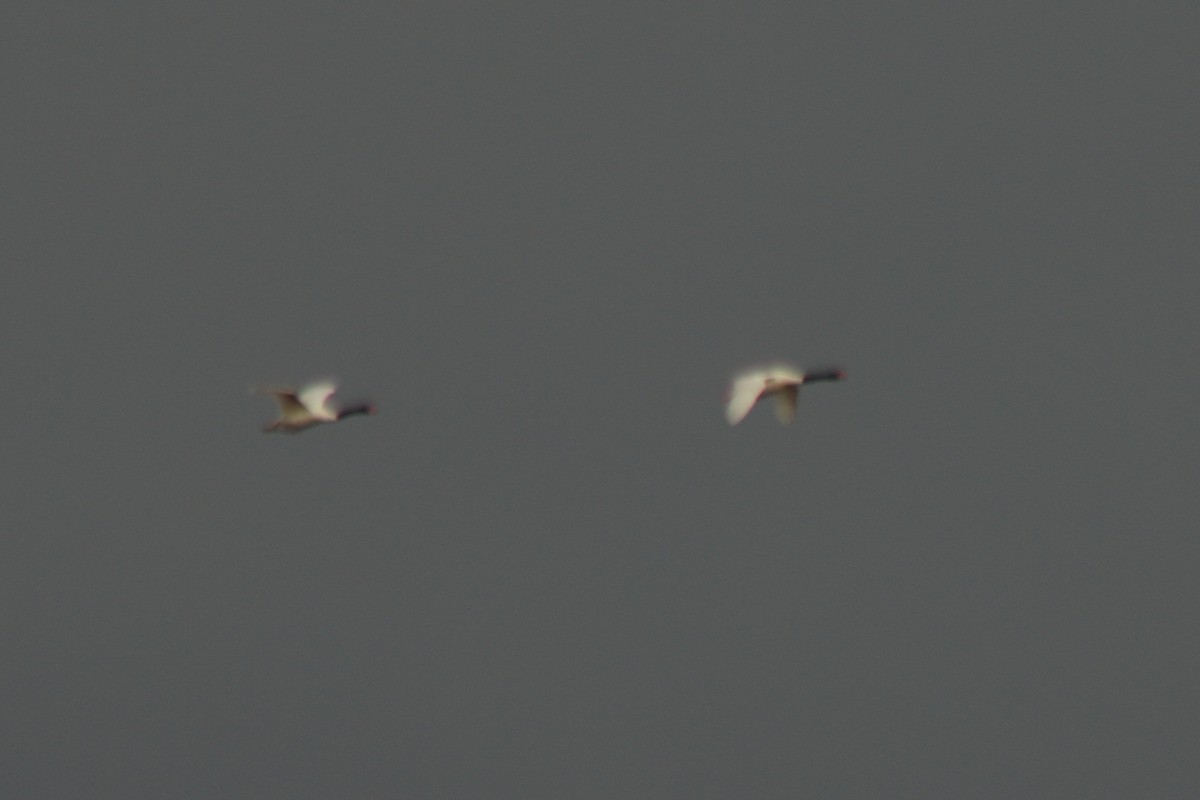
point(315, 397)
point(743, 394)
point(785, 403)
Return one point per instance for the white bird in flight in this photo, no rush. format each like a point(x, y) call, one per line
point(781, 380)
point(309, 406)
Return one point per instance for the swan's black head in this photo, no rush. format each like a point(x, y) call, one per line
point(359, 408)
point(825, 374)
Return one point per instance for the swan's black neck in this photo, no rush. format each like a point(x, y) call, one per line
point(824, 375)
point(361, 408)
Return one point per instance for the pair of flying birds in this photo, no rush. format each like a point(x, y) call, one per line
point(311, 405)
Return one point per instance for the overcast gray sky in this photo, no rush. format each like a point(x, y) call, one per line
point(540, 236)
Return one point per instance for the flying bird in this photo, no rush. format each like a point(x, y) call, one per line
point(302, 409)
point(781, 380)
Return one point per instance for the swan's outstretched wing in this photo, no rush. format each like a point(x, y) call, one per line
point(290, 407)
point(785, 403)
point(314, 398)
point(743, 394)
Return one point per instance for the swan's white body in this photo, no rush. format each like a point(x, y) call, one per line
point(782, 381)
point(308, 406)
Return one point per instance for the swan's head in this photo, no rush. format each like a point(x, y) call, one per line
point(359, 408)
point(825, 374)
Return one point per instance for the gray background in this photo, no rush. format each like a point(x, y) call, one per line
point(540, 236)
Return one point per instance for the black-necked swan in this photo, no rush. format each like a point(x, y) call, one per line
point(782, 380)
point(309, 406)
